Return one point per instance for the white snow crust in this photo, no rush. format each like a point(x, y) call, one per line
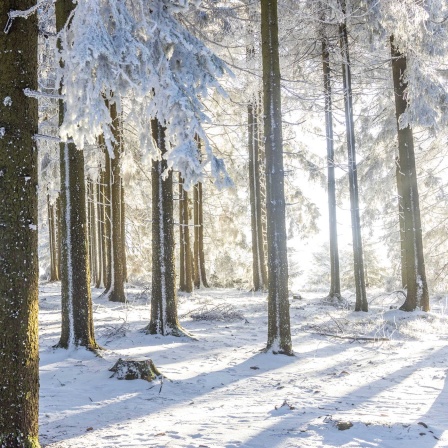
point(224, 392)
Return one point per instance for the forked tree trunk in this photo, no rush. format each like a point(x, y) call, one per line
point(417, 295)
point(361, 303)
point(185, 258)
point(116, 290)
point(164, 319)
point(335, 282)
point(19, 268)
point(77, 321)
point(200, 277)
point(279, 332)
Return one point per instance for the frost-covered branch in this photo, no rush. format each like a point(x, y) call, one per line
point(23, 14)
point(140, 51)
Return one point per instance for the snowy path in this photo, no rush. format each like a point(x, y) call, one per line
point(225, 393)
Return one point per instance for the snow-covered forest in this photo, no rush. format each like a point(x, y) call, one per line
point(242, 206)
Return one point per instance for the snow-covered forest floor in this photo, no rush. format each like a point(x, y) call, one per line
point(225, 393)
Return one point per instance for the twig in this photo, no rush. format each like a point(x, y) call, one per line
point(355, 338)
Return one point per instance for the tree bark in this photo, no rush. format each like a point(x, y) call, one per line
point(164, 318)
point(417, 295)
point(361, 297)
point(335, 281)
point(186, 262)
point(279, 332)
point(19, 269)
point(401, 224)
point(77, 320)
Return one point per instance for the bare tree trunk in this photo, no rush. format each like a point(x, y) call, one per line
point(164, 318)
point(258, 258)
point(417, 288)
point(279, 332)
point(77, 321)
point(52, 224)
point(107, 229)
point(100, 232)
point(401, 224)
point(186, 262)
point(335, 282)
point(361, 297)
point(200, 278)
point(116, 290)
point(91, 225)
point(19, 355)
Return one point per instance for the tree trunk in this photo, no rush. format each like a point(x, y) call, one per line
point(90, 225)
point(99, 231)
point(19, 357)
point(164, 319)
point(116, 290)
point(279, 332)
point(335, 282)
point(401, 224)
point(77, 321)
point(258, 258)
point(123, 230)
point(417, 288)
point(107, 204)
point(361, 297)
point(186, 262)
point(200, 277)
point(52, 224)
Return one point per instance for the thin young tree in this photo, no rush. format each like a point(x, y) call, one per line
point(77, 321)
point(361, 303)
point(279, 331)
point(200, 277)
point(412, 258)
point(53, 246)
point(259, 275)
point(185, 254)
point(335, 281)
point(19, 357)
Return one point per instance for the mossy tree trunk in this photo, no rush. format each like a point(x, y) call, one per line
point(279, 332)
point(185, 255)
point(77, 320)
point(19, 357)
point(164, 319)
point(417, 295)
point(335, 280)
point(361, 303)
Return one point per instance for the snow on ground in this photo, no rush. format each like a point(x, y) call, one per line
point(225, 393)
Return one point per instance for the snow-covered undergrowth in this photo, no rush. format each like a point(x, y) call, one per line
point(376, 379)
